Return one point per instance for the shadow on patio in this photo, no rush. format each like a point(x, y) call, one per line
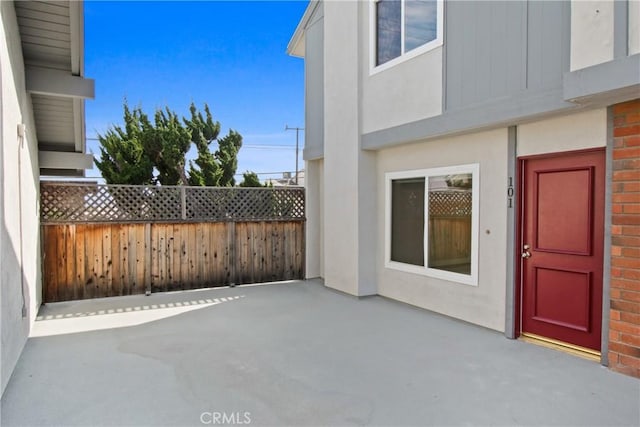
point(296, 354)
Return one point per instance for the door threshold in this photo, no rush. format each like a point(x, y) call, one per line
point(576, 350)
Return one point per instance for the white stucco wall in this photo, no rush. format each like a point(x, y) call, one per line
point(314, 236)
point(591, 32)
point(18, 164)
point(634, 27)
point(392, 97)
point(566, 133)
point(483, 304)
point(341, 149)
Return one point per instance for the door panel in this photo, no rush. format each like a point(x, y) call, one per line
point(557, 285)
point(562, 228)
point(564, 221)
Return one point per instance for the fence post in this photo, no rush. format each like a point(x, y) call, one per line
point(183, 201)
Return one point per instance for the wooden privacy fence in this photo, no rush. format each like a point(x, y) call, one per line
point(105, 240)
point(449, 227)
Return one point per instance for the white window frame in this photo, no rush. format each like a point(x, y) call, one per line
point(404, 56)
point(467, 279)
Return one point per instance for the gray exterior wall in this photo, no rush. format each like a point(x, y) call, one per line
point(547, 44)
point(481, 63)
point(314, 85)
point(500, 49)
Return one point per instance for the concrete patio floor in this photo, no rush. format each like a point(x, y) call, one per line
point(295, 354)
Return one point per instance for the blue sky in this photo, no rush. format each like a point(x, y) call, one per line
point(230, 55)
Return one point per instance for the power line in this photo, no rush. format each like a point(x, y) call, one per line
point(249, 146)
point(297, 129)
point(237, 174)
point(267, 173)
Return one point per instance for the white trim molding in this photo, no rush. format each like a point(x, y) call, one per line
point(45, 81)
point(60, 160)
point(467, 279)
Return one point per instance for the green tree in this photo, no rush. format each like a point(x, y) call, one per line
point(250, 179)
point(212, 168)
point(227, 154)
point(123, 159)
point(167, 142)
point(205, 170)
point(131, 156)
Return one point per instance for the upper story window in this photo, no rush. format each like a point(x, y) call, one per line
point(405, 28)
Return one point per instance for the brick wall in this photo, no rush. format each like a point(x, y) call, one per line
point(624, 331)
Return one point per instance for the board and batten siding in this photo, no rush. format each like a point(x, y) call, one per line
point(481, 63)
point(500, 49)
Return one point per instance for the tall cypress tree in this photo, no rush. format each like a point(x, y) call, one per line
point(123, 159)
point(131, 155)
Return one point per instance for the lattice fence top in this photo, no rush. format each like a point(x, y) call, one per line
point(450, 203)
point(69, 202)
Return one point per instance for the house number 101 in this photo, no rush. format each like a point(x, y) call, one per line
point(510, 192)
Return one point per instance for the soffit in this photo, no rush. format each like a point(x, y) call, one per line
point(52, 34)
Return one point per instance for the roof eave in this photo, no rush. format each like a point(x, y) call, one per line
point(76, 10)
point(57, 83)
point(296, 44)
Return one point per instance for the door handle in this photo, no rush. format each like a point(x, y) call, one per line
point(526, 253)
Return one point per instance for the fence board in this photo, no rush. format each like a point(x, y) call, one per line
point(182, 259)
point(61, 261)
point(162, 248)
point(157, 241)
point(203, 258)
point(141, 255)
point(178, 237)
point(224, 246)
point(103, 272)
point(116, 279)
point(50, 258)
point(190, 254)
point(171, 258)
point(289, 250)
point(146, 266)
point(90, 283)
point(80, 263)
point(131, 260)
point(92, 256)
point(123, 265)
point(56, 263)
point(449, 239)
point(108, 259)
point(242, 256)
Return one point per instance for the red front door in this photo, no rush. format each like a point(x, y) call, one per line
point(562, 247)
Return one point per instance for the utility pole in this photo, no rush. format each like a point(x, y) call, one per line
point(286, 127)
